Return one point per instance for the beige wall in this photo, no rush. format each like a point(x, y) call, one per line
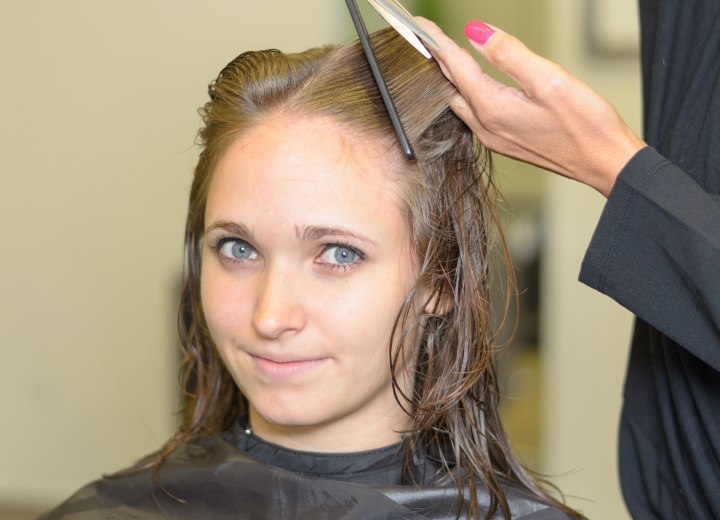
point(585, 335)
point(97, 151)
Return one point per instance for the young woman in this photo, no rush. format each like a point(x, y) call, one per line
point(335, 310)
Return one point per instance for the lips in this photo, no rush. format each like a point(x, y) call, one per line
point(286, 367)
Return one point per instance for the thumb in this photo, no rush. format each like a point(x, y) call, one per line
point(509, 55)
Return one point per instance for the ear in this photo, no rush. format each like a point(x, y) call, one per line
point(439, 300)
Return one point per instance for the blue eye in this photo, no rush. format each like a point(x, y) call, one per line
point(235, 249)
point(344, 255)
point(340, 256)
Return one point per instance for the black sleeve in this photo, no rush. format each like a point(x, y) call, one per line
point(656, 251)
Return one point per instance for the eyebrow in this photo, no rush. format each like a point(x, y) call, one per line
point(231, 227)
point(310, 233)
point(306, 233)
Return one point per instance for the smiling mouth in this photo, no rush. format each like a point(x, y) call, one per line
point(284, 369)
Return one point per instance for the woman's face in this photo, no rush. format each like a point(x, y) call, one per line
point(306, 263)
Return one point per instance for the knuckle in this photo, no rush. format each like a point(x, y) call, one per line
point(492, 121)
point(507, 50)
point(431, 25)
point(553, 87)
point(465, 55)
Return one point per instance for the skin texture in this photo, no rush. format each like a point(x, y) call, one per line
point(304, 336)
point(550, 119)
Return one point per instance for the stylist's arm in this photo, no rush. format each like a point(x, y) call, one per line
point(551, 119)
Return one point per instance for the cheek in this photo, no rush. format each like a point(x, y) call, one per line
point(210, 305)
point(367, 312)
point(218, 302)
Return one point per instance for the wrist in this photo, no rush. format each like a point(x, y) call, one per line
point(615, 161)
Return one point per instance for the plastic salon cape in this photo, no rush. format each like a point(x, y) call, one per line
point(240, 476)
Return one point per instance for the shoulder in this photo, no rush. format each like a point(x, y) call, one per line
point(214, 479)
point(140, 491)
point(529, 507)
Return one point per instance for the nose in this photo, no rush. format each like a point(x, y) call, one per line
point(277, 309)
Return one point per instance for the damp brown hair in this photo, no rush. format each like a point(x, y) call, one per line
point(450, 210)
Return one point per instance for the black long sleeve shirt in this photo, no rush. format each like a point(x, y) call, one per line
point(656, 251)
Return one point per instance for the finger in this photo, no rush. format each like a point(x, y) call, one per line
point(453, 59)
point(511, 57)
point(460, 67)
point(464, 112)
point(447, 46)
point(490, 138)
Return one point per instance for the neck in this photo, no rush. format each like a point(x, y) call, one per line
point(336, 437)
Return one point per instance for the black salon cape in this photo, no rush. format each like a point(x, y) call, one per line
point(656, 250)
point(230, 478)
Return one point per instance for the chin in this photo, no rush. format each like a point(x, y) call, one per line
point(290, 413)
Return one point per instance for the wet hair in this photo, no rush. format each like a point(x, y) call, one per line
point(446, 321)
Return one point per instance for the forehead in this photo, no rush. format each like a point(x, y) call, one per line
point(305, 167)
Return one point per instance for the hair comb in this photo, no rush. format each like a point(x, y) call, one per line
point(403, 22)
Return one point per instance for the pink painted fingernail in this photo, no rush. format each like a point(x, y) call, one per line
point(479, 32)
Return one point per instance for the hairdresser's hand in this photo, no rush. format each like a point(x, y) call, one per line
point(552, 119)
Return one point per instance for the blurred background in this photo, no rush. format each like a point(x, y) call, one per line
point(97, 151)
